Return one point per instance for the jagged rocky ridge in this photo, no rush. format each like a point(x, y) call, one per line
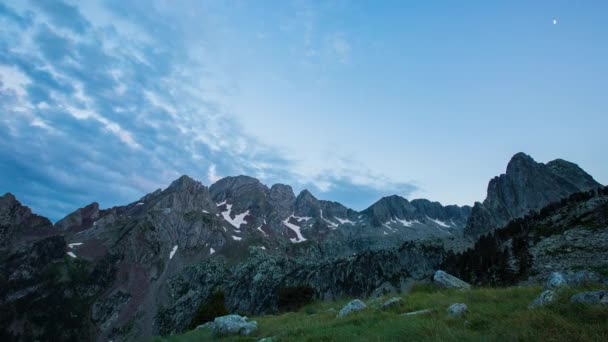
point(144, 268)
point(526, 186)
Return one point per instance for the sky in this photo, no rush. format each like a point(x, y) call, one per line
point(107, 100)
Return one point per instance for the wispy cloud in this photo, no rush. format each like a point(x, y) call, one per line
point(109, 100)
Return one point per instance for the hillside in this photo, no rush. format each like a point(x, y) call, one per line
point(494, 314)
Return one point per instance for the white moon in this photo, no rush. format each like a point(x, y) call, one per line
point(554, 21)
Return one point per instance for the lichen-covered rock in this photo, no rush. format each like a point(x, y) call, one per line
point(592, 297)
point(458, 309)
point(449, 281)
point(354, 305)
point(233, 324)
point(547, 297)
point(393, 302)
point(555, 281)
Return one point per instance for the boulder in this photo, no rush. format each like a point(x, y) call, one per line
point(593, 297)
point(393, 302)
point(449, 281)
point(458, 309)
point(351, 307)
point(233, 324)
point(555, 281)
point(547, 297)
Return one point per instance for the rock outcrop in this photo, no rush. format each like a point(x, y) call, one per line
point(526, 186)
point(449, 281)
point(545, 298)
point(233, 324)
point(352, 306)
point(458, 309)
point(593, 297)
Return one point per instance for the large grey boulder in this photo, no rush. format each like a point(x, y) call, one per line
point(547, 297)
point(555, 281)
point(458, 309)
point(393, 302)
point(593, 297)
point(233, 324)
point(449, 281)
point(351, 307)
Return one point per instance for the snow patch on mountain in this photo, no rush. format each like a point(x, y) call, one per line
point(332, 225)
point(238, 219)
point(72, 245)
point(303, 218)
point(439, 222)
point(211, 251)
point(296, 229)
point(172, 252)
point(72, 254)
point(234, 237)
point(343, 221)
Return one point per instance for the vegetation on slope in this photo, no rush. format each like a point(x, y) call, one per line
point(495, 314)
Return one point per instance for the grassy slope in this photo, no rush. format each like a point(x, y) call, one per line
point(494, 315)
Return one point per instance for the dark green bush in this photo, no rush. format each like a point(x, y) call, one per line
point(294, 297)
point(209, 310)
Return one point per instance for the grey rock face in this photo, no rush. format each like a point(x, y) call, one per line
point(556, 280)
point(282, 199)
point(526, 186)
point(593, 297)
point(81, 219)
point(233, 324)
point(458, 309)
point(449, 281)
point(352, 306)
point(546, 297)
point(19, 227)
point(393, 302)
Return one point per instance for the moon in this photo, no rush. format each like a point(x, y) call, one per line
point(554, 21)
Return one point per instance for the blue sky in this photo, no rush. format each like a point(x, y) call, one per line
point(108, 100)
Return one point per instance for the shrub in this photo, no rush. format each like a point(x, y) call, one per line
point(209, 310)
point(294, 297)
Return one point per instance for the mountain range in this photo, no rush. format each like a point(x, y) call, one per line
point(145, 268)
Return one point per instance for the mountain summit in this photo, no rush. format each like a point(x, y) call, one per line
point(526, 186)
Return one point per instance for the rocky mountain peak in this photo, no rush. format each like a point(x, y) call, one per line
point(307, 205)
point(184, 183)
point(18, 224)
point(81, 219)
point(282, 199)
point(526, 186)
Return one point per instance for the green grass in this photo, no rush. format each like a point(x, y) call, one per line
point(495, 314)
